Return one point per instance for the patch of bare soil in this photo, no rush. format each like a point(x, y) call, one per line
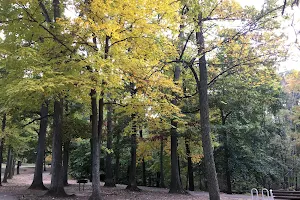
point(18, 187)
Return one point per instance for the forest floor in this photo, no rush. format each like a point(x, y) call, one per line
point(17, 189)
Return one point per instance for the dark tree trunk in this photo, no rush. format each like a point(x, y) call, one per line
point(96, 132)
point(2, 146)
point(143, 164)
point(161, 163)
point(37, 182)
point(109, 179)
point(132, 185)
point(190, 166)
point(213, 186)
point(176, 185)
point(117, 153)
point(45, 169)
point(8, 162)
point(18, 167)
point(11, 167)
point(66, 161)
point(226, 155)
point(57, 185)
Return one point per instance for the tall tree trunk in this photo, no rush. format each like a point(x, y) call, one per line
point(190, 166)
point(66, 161)
point(109, 179)
point(143, 164)
point(57, 185)
point(37, 182)
point(96, 144)
point(8, 162)
point(161, 162)
point(132, 185)
point(176, 185)
point(117, 154)
point(213, 186)
point(2, 146)
point(45, 169)
point(226, 154)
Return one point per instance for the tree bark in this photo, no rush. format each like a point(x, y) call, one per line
point(66, 161)
point(132, 185)
point(2, 146)
point(117, 153)
point(190, 166)
point(161, 163)
point(18, 167)
point(109, 179)
point(8, 162)
point(176, 185)
point(226, 155)
point(37, 182)
point(96, 145)
point(11, 167)
point(213, 186)
point(57, 185)
point(143, 164)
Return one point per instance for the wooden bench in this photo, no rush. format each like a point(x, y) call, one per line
point(282, 194)
point(82, 181)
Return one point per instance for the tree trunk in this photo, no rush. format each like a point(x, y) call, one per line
point(45, 169)
point(109, 179)
point(96, 145)
point(57, 185)
point(213, 186)
point(66, 161)
point(190, 166)
point(8, 162)
point(143, 164)
point(226, 154)
point(176, 185)
point(161, 163)
point(18, 167)
point(132, 185)
point(117, 153)
point(11, 167)
point(37, 182)
point(2, 146)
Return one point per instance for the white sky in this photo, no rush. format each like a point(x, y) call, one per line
point(292, 62)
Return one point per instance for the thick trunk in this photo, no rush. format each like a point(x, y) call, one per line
point(176, 185)
point(57, 185)
point(161, 163)
point(8, 162)
point(213, 186)
point(2, 146)
point(132, 185)
point(143, 164)
point(66, 161)
point(96, 145)
point(109, 179)
point(37, 182)
point(11, 167)
point(190, 166)
point(45, 169)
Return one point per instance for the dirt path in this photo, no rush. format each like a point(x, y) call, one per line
point(16, 188)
